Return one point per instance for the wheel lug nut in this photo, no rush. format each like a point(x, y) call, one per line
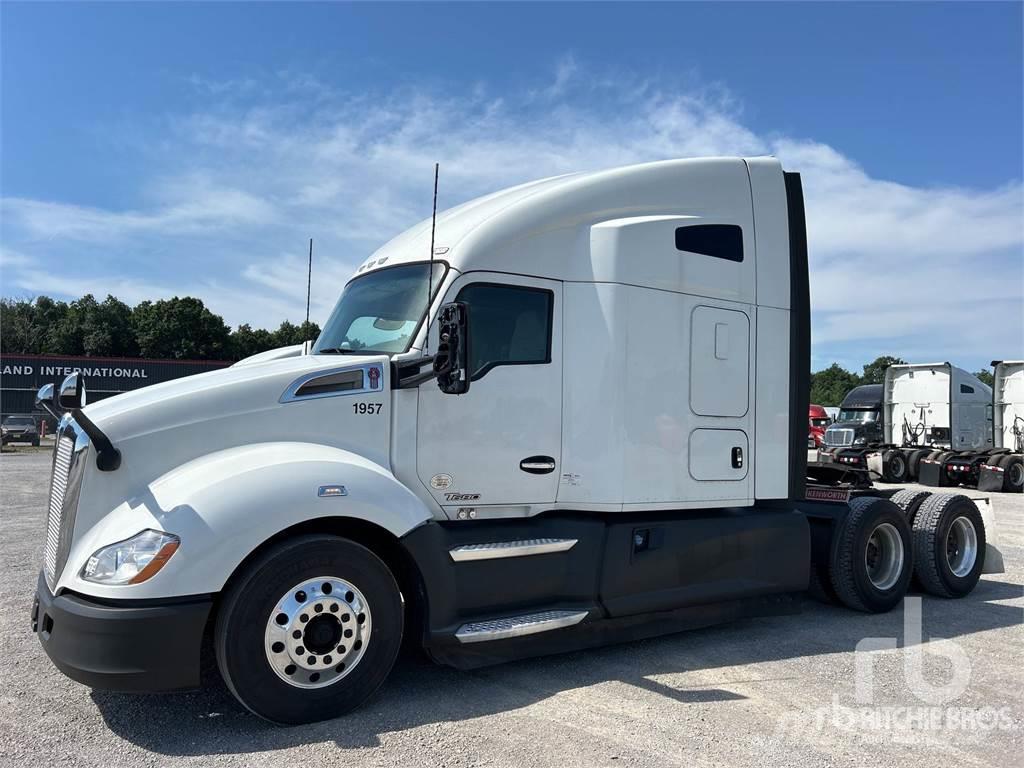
point(300, 650)
point(311, 660)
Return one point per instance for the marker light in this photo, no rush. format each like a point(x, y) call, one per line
point(133, 560)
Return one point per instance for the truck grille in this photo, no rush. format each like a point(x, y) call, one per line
point(65, 485)
point(838, 438)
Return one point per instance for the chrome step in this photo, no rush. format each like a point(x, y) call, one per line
point(517, 626)
point(499, 549)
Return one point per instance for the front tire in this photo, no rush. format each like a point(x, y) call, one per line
point(310, 630)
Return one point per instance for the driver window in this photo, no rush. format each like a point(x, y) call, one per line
point(510, 325)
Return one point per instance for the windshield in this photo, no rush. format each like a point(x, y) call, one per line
point(821, 422)
point(865, 417)
point(379, 311)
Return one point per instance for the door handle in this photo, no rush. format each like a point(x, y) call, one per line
point(737, 458)
point(537, 465)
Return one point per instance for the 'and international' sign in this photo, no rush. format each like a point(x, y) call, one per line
point(102, 374)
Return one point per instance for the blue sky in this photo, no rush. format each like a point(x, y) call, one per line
point(153, 150)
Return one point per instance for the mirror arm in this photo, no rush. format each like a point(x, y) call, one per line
point(108, 458)
point(48, 407)
point(410, 382)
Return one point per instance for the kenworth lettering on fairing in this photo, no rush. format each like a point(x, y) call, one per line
point(589, 425)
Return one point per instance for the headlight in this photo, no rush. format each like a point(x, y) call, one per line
point(861, 441)
point(133, 560)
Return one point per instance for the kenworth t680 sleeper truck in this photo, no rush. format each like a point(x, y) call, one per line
point(593, 430)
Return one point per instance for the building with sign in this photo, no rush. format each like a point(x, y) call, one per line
point(21, 376)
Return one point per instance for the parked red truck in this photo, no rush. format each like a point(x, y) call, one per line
point(817, 422)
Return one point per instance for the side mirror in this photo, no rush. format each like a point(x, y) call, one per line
point(71, 396)
point(452, 359)
point(44, 400)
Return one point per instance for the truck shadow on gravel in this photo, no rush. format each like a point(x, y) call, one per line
point(418, 693)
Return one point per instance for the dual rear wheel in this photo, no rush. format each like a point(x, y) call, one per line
point(937, 540)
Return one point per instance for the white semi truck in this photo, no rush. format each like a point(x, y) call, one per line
point(919, 413)
point(1002, 467)
point(577, 416)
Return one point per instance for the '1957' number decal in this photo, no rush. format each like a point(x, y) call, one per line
point(364, 408)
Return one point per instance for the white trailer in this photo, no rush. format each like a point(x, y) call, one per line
point(576, 416)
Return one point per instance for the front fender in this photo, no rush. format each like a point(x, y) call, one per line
point(225, 504)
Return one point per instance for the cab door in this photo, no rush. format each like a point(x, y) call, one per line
point(499, 444)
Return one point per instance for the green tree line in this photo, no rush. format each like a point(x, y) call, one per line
point(179, 328)
point(830, 385)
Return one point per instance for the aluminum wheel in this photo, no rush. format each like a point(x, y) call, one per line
point(961, 547)
point(317, 632)
point(883, 556)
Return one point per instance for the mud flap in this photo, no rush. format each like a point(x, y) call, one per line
point(991, 478)
point(932, 473)
point(993, 555)
point(876, 466)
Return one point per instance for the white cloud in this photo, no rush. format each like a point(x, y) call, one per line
point(914, 271)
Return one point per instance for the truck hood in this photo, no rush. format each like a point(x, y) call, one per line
point(212, 397)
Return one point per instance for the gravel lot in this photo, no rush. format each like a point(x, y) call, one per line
point(762, 692)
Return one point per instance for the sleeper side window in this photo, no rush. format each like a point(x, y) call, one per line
point(509, 325)
point(722, 241)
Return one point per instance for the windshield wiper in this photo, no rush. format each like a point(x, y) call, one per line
point(339, 351)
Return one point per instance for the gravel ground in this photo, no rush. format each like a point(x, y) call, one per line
point(777, 691)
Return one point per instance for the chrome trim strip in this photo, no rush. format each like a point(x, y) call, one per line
point(501, 549)
point(536, 465)
point(290, 395)
point(518, 626)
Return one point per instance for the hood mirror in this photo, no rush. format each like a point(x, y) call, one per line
point(44, 401)
point(71, 396)
point(452, 360)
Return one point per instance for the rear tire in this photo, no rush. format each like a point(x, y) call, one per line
point(871, 556)
point(915, 462)
point(949, 545)
point(894, 463)
point(280, 679)
point(910, 502)
point(1013, 479)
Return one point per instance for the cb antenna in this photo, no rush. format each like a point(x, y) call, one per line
point(309, 278)
point(430, 273)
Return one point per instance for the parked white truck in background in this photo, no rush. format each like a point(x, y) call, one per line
point(614, 448)
point(919, 412)
point(1003, 468)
